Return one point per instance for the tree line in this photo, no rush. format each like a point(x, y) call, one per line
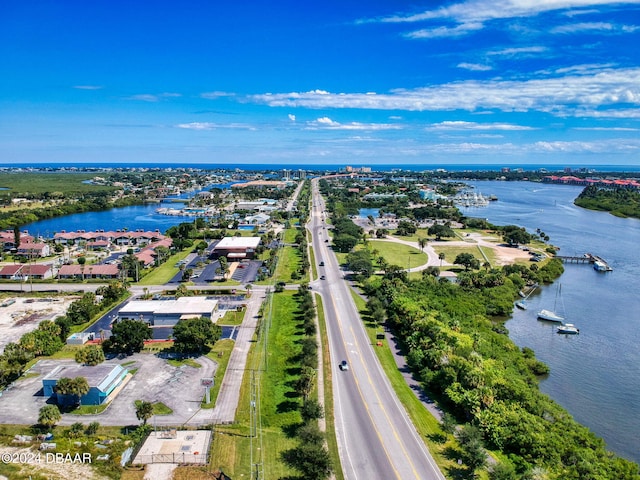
point(464, 359)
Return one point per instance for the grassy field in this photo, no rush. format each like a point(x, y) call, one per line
point(399, 254)
point(451, 252)
point(332, 443)
point(37, 183)
point(231, 318)
point(220, 353)
point(233, 445)
point(166, 271)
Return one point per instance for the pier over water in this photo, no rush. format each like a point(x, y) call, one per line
point(598, 262)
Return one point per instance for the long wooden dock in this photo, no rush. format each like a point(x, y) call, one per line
point(587, 258)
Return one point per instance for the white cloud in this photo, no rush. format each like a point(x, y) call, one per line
point(148, 97)
point(197, 126)
point(559, 95)
point(517, 51)
point(594, 27)
point(573, 13)
point(484, 10)
point(439, 32)
point(214, 126)
point(632, 113)
point(460, 125)
point(292, 117)
point(474, 67)
point(327, 124)
point(88, 87)
point(586, 68)
point(608, 129)
point(216, 94)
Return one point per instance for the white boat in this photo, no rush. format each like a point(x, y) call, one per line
point(568, 329)
point(522, 304)
point(601, 266)
point(552, 315)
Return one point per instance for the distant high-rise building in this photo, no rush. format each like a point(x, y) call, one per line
point(286, 174)
point(302, 174)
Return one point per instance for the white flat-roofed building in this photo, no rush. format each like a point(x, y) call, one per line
point(236, 248)
point(168, 312)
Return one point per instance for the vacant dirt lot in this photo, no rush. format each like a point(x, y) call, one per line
point(23, 314)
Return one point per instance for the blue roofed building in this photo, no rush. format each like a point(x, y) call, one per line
point(103, 379)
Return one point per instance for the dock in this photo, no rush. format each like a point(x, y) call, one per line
point(598, 262)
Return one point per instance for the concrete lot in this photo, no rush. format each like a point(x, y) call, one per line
point(154, 381)
point(26, 313)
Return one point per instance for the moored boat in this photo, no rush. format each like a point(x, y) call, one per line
point(521, 304)
point(568, 329)
point(550, 316)
point(601, 266)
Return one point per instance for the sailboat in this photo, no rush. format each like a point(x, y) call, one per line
point(552, 315)
point(522, 304)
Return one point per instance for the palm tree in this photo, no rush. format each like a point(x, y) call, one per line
point(441, 257)
point(144, 411)
point(422, 242)
point(49, 415)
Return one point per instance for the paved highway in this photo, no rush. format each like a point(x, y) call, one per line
point(376, 438)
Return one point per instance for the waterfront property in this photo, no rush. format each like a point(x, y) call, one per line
point(168, 312)
point(119, 237)
point(34, 249)
point(103, 379)
point(8, 240)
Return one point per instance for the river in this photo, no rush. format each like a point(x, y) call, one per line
point(134, 217)
point(594, 375)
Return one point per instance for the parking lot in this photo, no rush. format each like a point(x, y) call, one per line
point(154, 381)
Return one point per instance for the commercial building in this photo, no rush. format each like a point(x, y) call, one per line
point(163, 313)
point(236, 248)
point(103, 379)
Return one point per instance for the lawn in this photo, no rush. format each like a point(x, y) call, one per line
point(233, 445)
point(288, 263)
point(220, 353)
point(231, 318)
point(165, 272)
point(330, 436)
point(451, 252)
point(399, 254)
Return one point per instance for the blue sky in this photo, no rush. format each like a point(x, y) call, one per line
point(333, 82)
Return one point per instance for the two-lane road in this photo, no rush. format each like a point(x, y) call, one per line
point(375, 436)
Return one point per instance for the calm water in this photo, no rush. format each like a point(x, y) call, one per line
point(594, 375)
point(134, 217)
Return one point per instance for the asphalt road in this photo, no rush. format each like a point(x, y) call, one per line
point(376, 438)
